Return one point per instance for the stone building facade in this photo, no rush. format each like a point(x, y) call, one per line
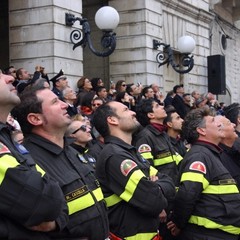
point(34, 32)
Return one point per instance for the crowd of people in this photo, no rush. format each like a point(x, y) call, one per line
point(124, 163)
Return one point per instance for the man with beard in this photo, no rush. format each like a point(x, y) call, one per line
point(44, 119)
point(135, 192)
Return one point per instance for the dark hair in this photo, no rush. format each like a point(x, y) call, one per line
point(120, 96)
point(6, 70)
point(145, 90)
point(100, 118)
point(99, 89)
point(129, 88)
point(169, 110)
point(232, 112)
point(19, 72)
point(118, 85)
point(144, 107)
point(30, 103)
point(194, 119)
point(94, 82)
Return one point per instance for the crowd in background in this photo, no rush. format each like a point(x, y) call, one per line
point(161, 139)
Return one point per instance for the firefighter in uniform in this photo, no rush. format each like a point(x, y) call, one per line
point(207, 205)
point(45, 128)
point(134, 191)
point(153, 142)
point(31, 202)
point(82, 136)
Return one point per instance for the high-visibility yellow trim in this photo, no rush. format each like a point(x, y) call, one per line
point(84, 201)
point(177, 158)
point(221, 189)
point(162, 161)
point(98, 194)
point(132, 185)
point(147, 155)
point(200, 221)
point(6, 162)
point(194, 177)
point(152, 171)
point(142, 236)
point(39, 169)
point(112, 200)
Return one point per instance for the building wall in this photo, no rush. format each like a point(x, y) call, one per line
point(38, 35)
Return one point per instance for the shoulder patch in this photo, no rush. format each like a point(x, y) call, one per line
point(198, 166)
point(126, 166)
point(144, 148)
point(4, 149)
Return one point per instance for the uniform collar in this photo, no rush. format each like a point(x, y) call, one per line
point(117, 141)
point(48, 145)
point(209, 145)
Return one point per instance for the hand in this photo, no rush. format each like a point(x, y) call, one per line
point(163, 216)
point(173, 228)
point(44, 227)
point(153, 178)
point(38, 68)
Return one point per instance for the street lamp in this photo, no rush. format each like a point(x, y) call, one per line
point(107, 19)
point(186, 45)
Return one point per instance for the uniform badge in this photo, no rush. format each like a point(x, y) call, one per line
point(91, 159)
point(198, 166)
point(126, 166)
point(144, 148)
point(82, 159)
point(21, 148)
point(3, 149)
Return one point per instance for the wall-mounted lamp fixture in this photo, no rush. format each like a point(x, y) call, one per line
point(107, 19)
point(186, 45)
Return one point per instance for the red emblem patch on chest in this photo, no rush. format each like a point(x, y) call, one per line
point(3, 149)
point(126, 166)
point(144, 148)
point(198, 166)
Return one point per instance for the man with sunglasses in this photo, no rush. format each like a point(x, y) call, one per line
point(81, 134)
point(44, 120)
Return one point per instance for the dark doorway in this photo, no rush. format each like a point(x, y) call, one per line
point(4, 34)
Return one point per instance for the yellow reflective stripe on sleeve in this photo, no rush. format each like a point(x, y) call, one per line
point(98, 194)
point(152, 171)
point(141, 236)
point(147, 155)
point(6, 162)
point(112, 200)
point(162, 161)
point(132, 185)
point(39, 169)
point(84, 201)
point(195, 177)
point(200, 221)
point(177, 158)
point(220, 189)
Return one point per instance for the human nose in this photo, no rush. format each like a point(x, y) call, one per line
point(64, 105)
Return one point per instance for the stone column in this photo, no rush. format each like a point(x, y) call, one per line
point(39, 36)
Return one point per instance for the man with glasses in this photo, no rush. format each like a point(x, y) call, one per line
point(44, 120)
point(31, 202)
point(81, 134)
